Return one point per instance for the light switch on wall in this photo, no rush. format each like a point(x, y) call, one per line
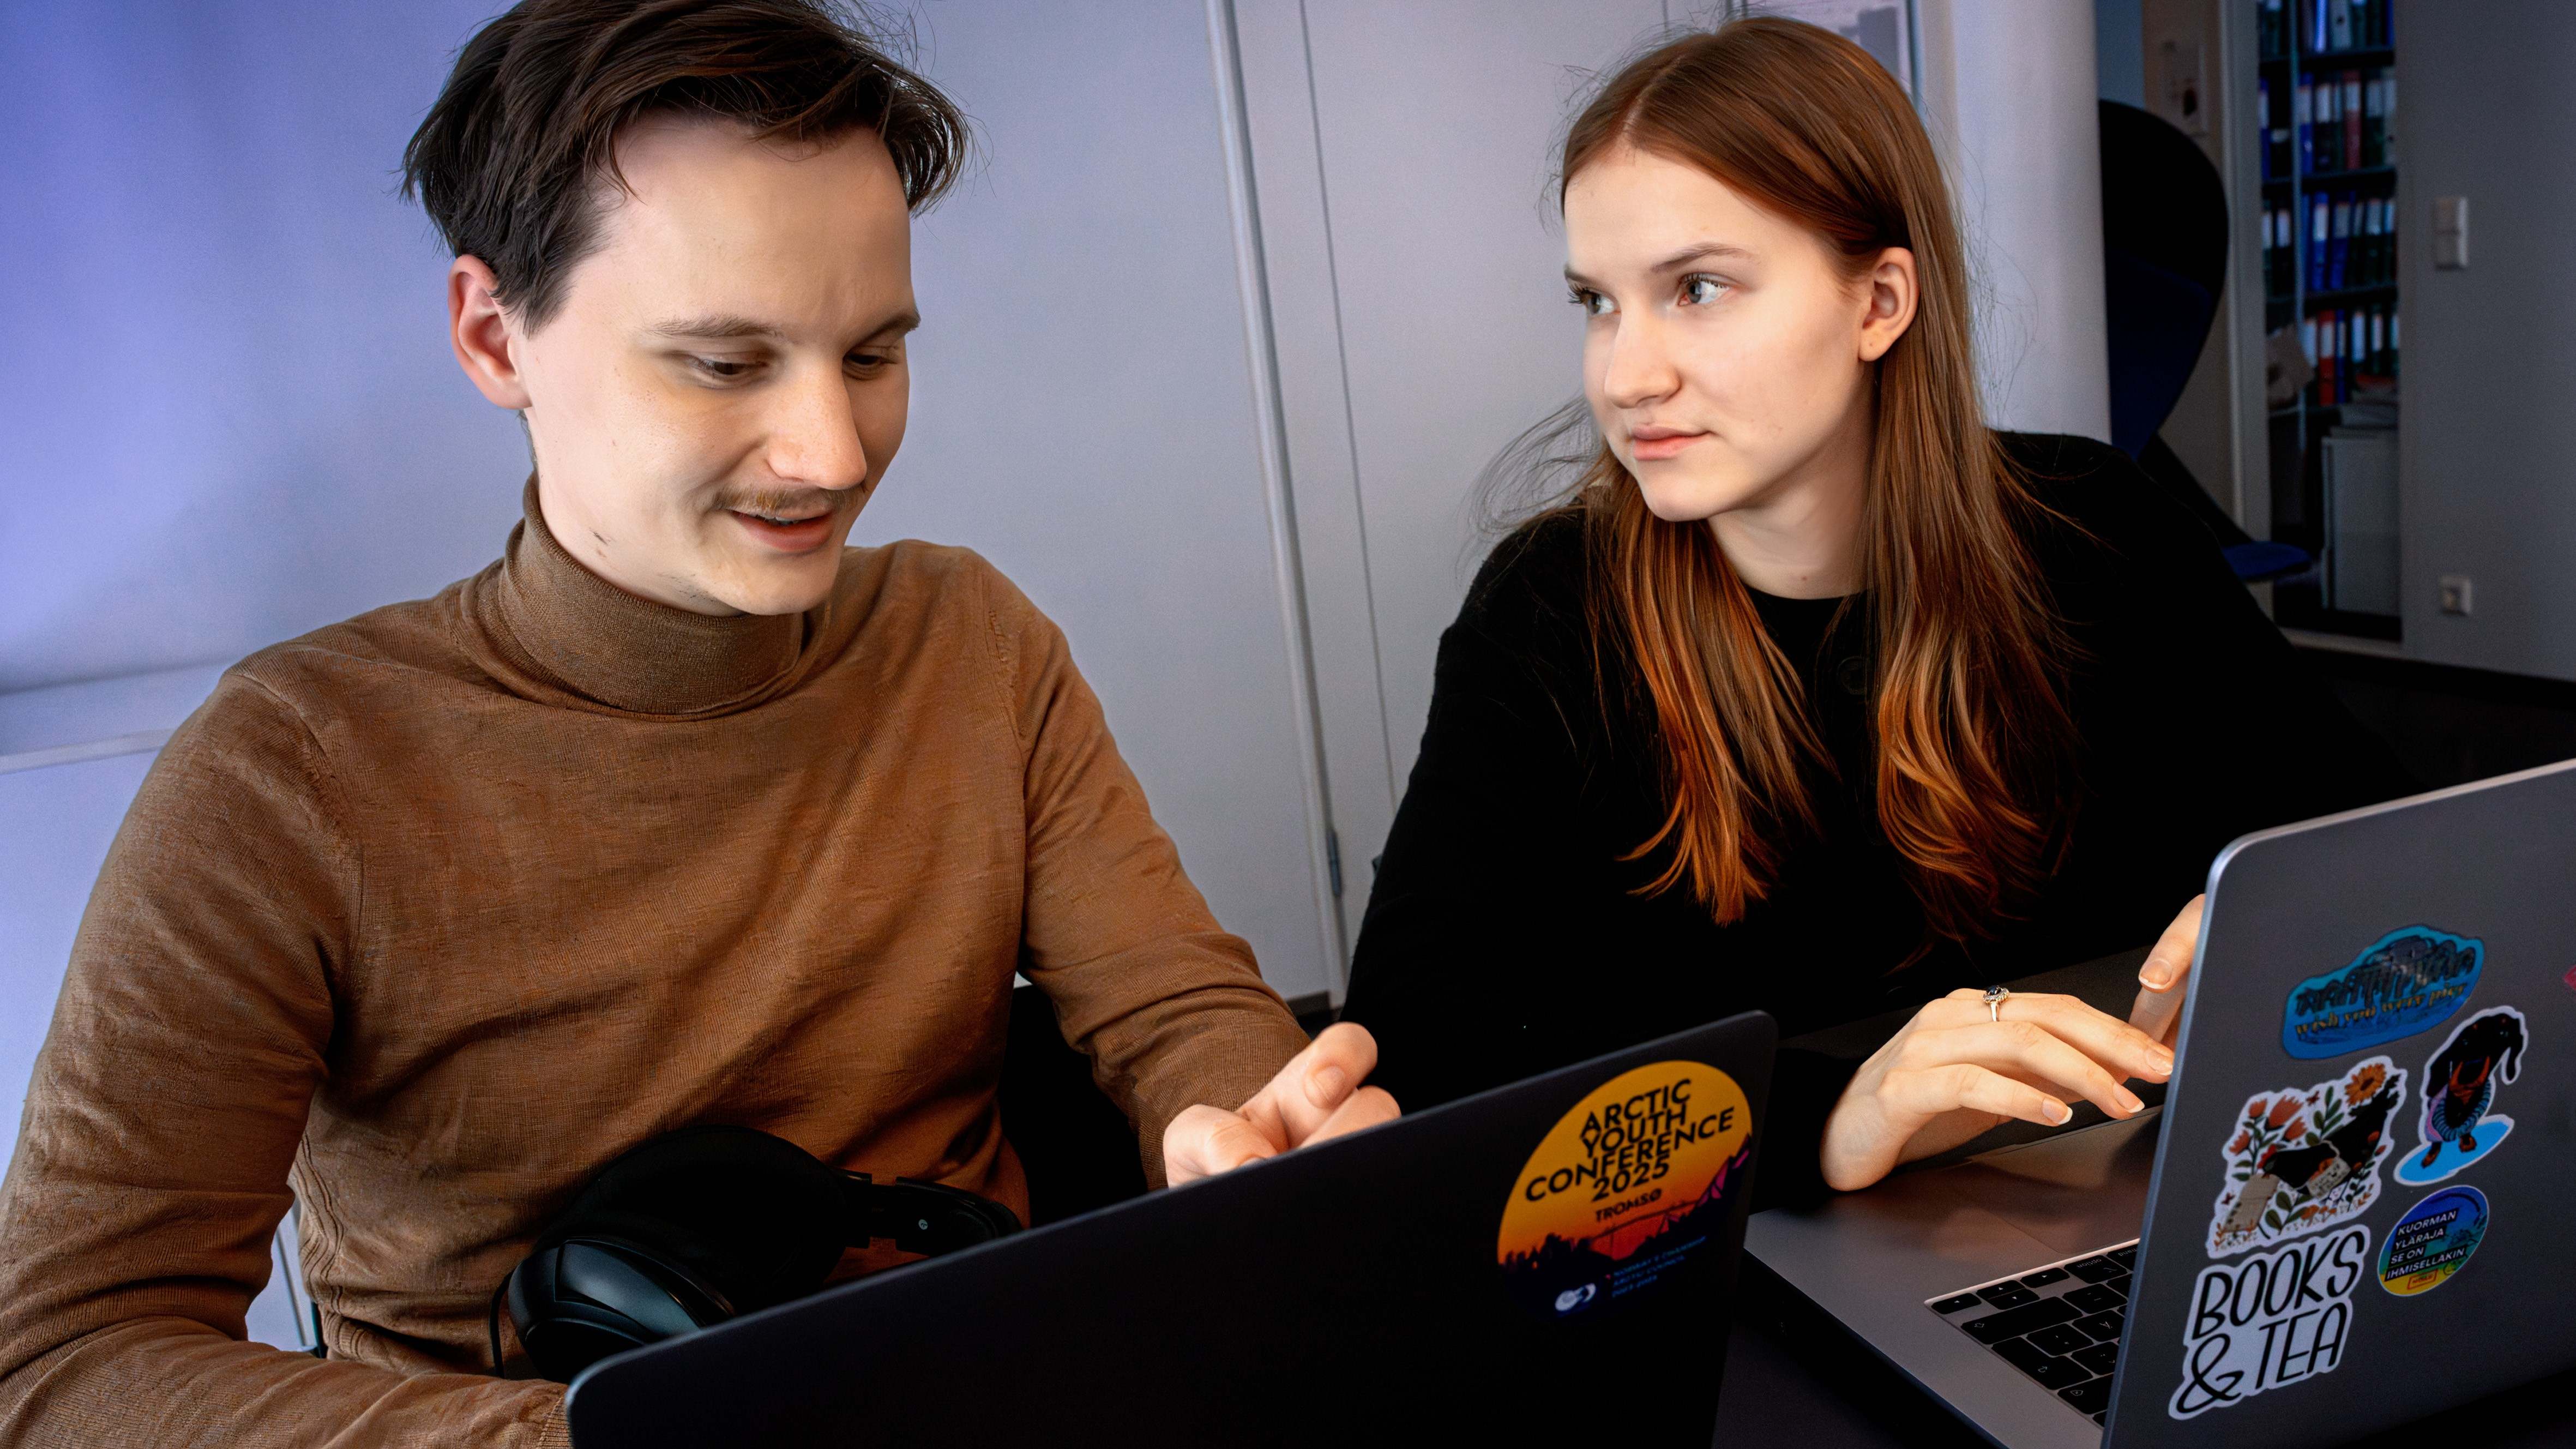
point(2450, 234)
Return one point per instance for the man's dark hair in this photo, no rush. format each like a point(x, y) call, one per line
point(516, 163)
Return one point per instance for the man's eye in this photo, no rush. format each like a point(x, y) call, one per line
point(871, 361)
point(726, 369)
point(1592, 302)
point(1700, 291)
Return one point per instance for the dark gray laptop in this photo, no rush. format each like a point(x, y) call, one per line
point(2351, 1210)
point(1535, 1263)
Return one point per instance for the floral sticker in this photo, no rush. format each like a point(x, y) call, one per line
point(2301, 1160)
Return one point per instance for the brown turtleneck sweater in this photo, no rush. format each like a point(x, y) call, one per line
point(432, 913)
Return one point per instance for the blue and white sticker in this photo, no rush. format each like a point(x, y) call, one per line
point(2407, 981)
point(2455, 1130)
point(2433, 1241)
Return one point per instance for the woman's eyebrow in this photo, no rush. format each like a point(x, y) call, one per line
point(1678, 260)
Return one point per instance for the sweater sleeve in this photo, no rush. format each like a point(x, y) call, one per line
point(1169, 1007)
point(167, 1104)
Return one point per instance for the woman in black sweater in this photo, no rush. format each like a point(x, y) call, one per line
point(1812, 694)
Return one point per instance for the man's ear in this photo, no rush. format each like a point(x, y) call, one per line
point(480, 331)
point(1893, 292)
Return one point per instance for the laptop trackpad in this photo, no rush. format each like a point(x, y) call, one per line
point(2076, 1191)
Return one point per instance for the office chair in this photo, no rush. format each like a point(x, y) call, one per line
point(2164, 269)
point(1078, 1149)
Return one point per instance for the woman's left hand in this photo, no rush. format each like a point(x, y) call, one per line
point(2162, 977)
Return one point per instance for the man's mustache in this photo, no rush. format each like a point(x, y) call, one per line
point(800, 504)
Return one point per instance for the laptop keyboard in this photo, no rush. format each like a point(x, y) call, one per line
point(2059, 1324)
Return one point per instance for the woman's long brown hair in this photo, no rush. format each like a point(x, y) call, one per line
point(1974, 745)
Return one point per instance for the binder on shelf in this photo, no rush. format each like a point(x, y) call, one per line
point(2389, 117)
point(2351, 113)
point(2329, 361)
point(2263, 124)
point(2325, 131)
point(2339, 246)
point(2304, 114)
point(2374, 120)
point(2320, 232)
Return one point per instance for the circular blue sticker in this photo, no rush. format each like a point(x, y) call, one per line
point(2433, 1241)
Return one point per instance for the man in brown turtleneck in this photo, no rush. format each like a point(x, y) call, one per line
point(680, 812)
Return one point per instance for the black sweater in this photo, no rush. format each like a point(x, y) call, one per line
point(1504, 938)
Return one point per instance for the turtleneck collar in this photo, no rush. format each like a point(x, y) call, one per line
point(594, 639)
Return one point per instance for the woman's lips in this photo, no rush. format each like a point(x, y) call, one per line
point(1662, 445)
point(803, 536)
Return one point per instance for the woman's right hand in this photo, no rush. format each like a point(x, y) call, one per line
point(1955, 1071)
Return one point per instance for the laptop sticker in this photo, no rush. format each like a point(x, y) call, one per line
point(2407, 981)
point(2301, 1161)
point(1630, 1185)
point(2269, 1321)
point(2455, 1128)
point(2433, 1241)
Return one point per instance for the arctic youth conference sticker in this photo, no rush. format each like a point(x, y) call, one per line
point(1631, 1185)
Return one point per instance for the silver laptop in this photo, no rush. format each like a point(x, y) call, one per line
point(2351, 1209)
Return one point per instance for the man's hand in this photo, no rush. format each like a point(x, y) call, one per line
point(1317, 1095)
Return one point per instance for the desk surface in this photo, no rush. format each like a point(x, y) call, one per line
point(1794, 1377)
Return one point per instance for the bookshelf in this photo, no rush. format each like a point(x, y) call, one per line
point(2326, 105)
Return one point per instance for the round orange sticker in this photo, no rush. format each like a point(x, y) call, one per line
point(1626, 1187)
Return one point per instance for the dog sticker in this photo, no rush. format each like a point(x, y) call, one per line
point(2454, 1128)
point(2269, 1321)
point(2407, 981)
point(2303, 1160)
point(2433, 1241)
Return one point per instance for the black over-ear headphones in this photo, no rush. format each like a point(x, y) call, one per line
point(700, 1225)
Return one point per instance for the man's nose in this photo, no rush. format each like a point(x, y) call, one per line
point(816, 439)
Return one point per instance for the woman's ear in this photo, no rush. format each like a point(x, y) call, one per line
point(1892, 293)
point(480, 329)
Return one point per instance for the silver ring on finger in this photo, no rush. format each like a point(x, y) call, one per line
point(1994, 999)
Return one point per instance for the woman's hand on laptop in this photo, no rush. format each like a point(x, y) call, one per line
point(1317, 1095)
point(1959, 1068)
point(2161, 976)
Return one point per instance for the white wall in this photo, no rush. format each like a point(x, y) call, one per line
point(234, 417)
point(2490, 351)
point(2009, 92)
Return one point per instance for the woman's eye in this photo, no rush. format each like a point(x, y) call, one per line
point(1592, 302)
point(1700, 291)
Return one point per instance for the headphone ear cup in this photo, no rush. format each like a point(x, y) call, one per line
point(733, 1205)
point(580, 1300)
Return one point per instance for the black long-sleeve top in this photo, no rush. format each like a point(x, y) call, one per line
point(1505, 935)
